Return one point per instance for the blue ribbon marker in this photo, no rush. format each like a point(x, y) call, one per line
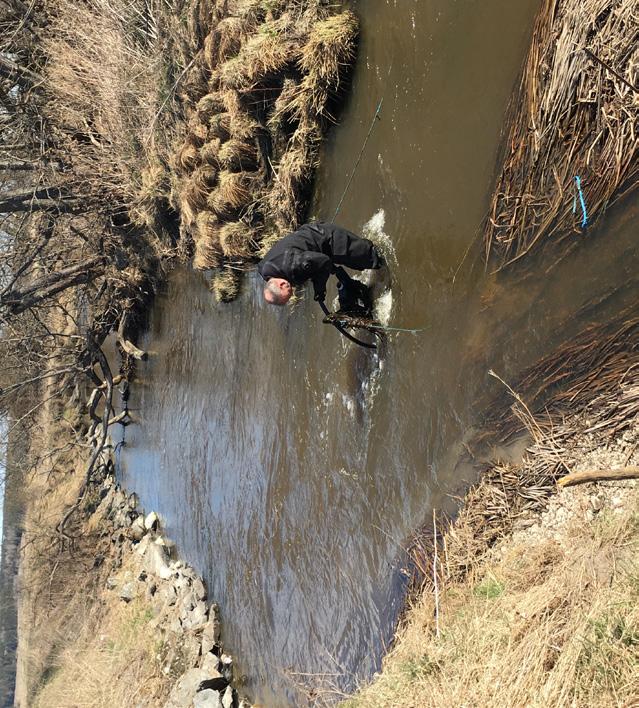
point(582, 201)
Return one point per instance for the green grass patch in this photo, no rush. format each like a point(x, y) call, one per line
point(489, 589)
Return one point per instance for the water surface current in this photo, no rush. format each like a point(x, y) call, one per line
point(289, 466)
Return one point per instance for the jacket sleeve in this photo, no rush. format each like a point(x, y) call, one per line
point(317, 267)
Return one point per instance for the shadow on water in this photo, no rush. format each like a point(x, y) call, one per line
point(289, 466)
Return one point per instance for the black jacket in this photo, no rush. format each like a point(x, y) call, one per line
point(303, 255)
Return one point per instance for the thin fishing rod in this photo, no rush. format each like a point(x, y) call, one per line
point(359, 158)
point(379, 327)
point(384, 328)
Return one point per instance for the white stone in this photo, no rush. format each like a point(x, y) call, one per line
point(156, 561)
point(143, 545)
point(210, 664)
point(227, 698)
point(137, 530)
point(207, 699)
point(151, 521)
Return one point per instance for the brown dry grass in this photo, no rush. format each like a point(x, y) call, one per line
point(210, 151)
point(237, 240)
point(548, 615)
point(238, 156)
point(262, 56)
point(234, 191)
point(106, 79)
point(226, 283)
point(57, 587)
point(265, 79)
point(571, 116)
point(110, 660)
point(542, 623)
point(79, 645)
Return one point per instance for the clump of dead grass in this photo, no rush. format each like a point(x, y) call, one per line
point(208, 106)
point(331, 46)
point(220, 126)
point(226, 283)
point(237, 240)
point(272, 74)
point(207, 255)
point(231, 195)
point(209, 152)
point(264, 55)
point(238, 156)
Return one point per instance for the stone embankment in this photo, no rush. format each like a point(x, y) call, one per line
point(187, 624)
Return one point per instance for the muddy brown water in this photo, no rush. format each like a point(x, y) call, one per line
point(289, 466)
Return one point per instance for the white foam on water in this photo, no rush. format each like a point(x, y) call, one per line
point(373, 229)
point(383, 307)
point(349, 404)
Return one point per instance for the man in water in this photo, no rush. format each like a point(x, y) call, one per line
point(313, 252)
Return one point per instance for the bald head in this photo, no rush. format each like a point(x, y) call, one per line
point(277, 291)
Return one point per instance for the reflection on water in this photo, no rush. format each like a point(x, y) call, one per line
point(291, 466)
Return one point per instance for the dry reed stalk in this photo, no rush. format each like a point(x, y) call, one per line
point(571, 117)
point(225, 284)
point(237, 240)
point(238, 156)
point(219, 126)
point(232, 194)
point(209, 152)
point(101, 80)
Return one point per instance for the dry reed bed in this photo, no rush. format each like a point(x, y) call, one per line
point(263, 83)
point(595, 377)
point(570, 117)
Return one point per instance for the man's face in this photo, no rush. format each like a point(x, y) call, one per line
point(278, 291)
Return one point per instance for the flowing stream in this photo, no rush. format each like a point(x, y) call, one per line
point(289, 466)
